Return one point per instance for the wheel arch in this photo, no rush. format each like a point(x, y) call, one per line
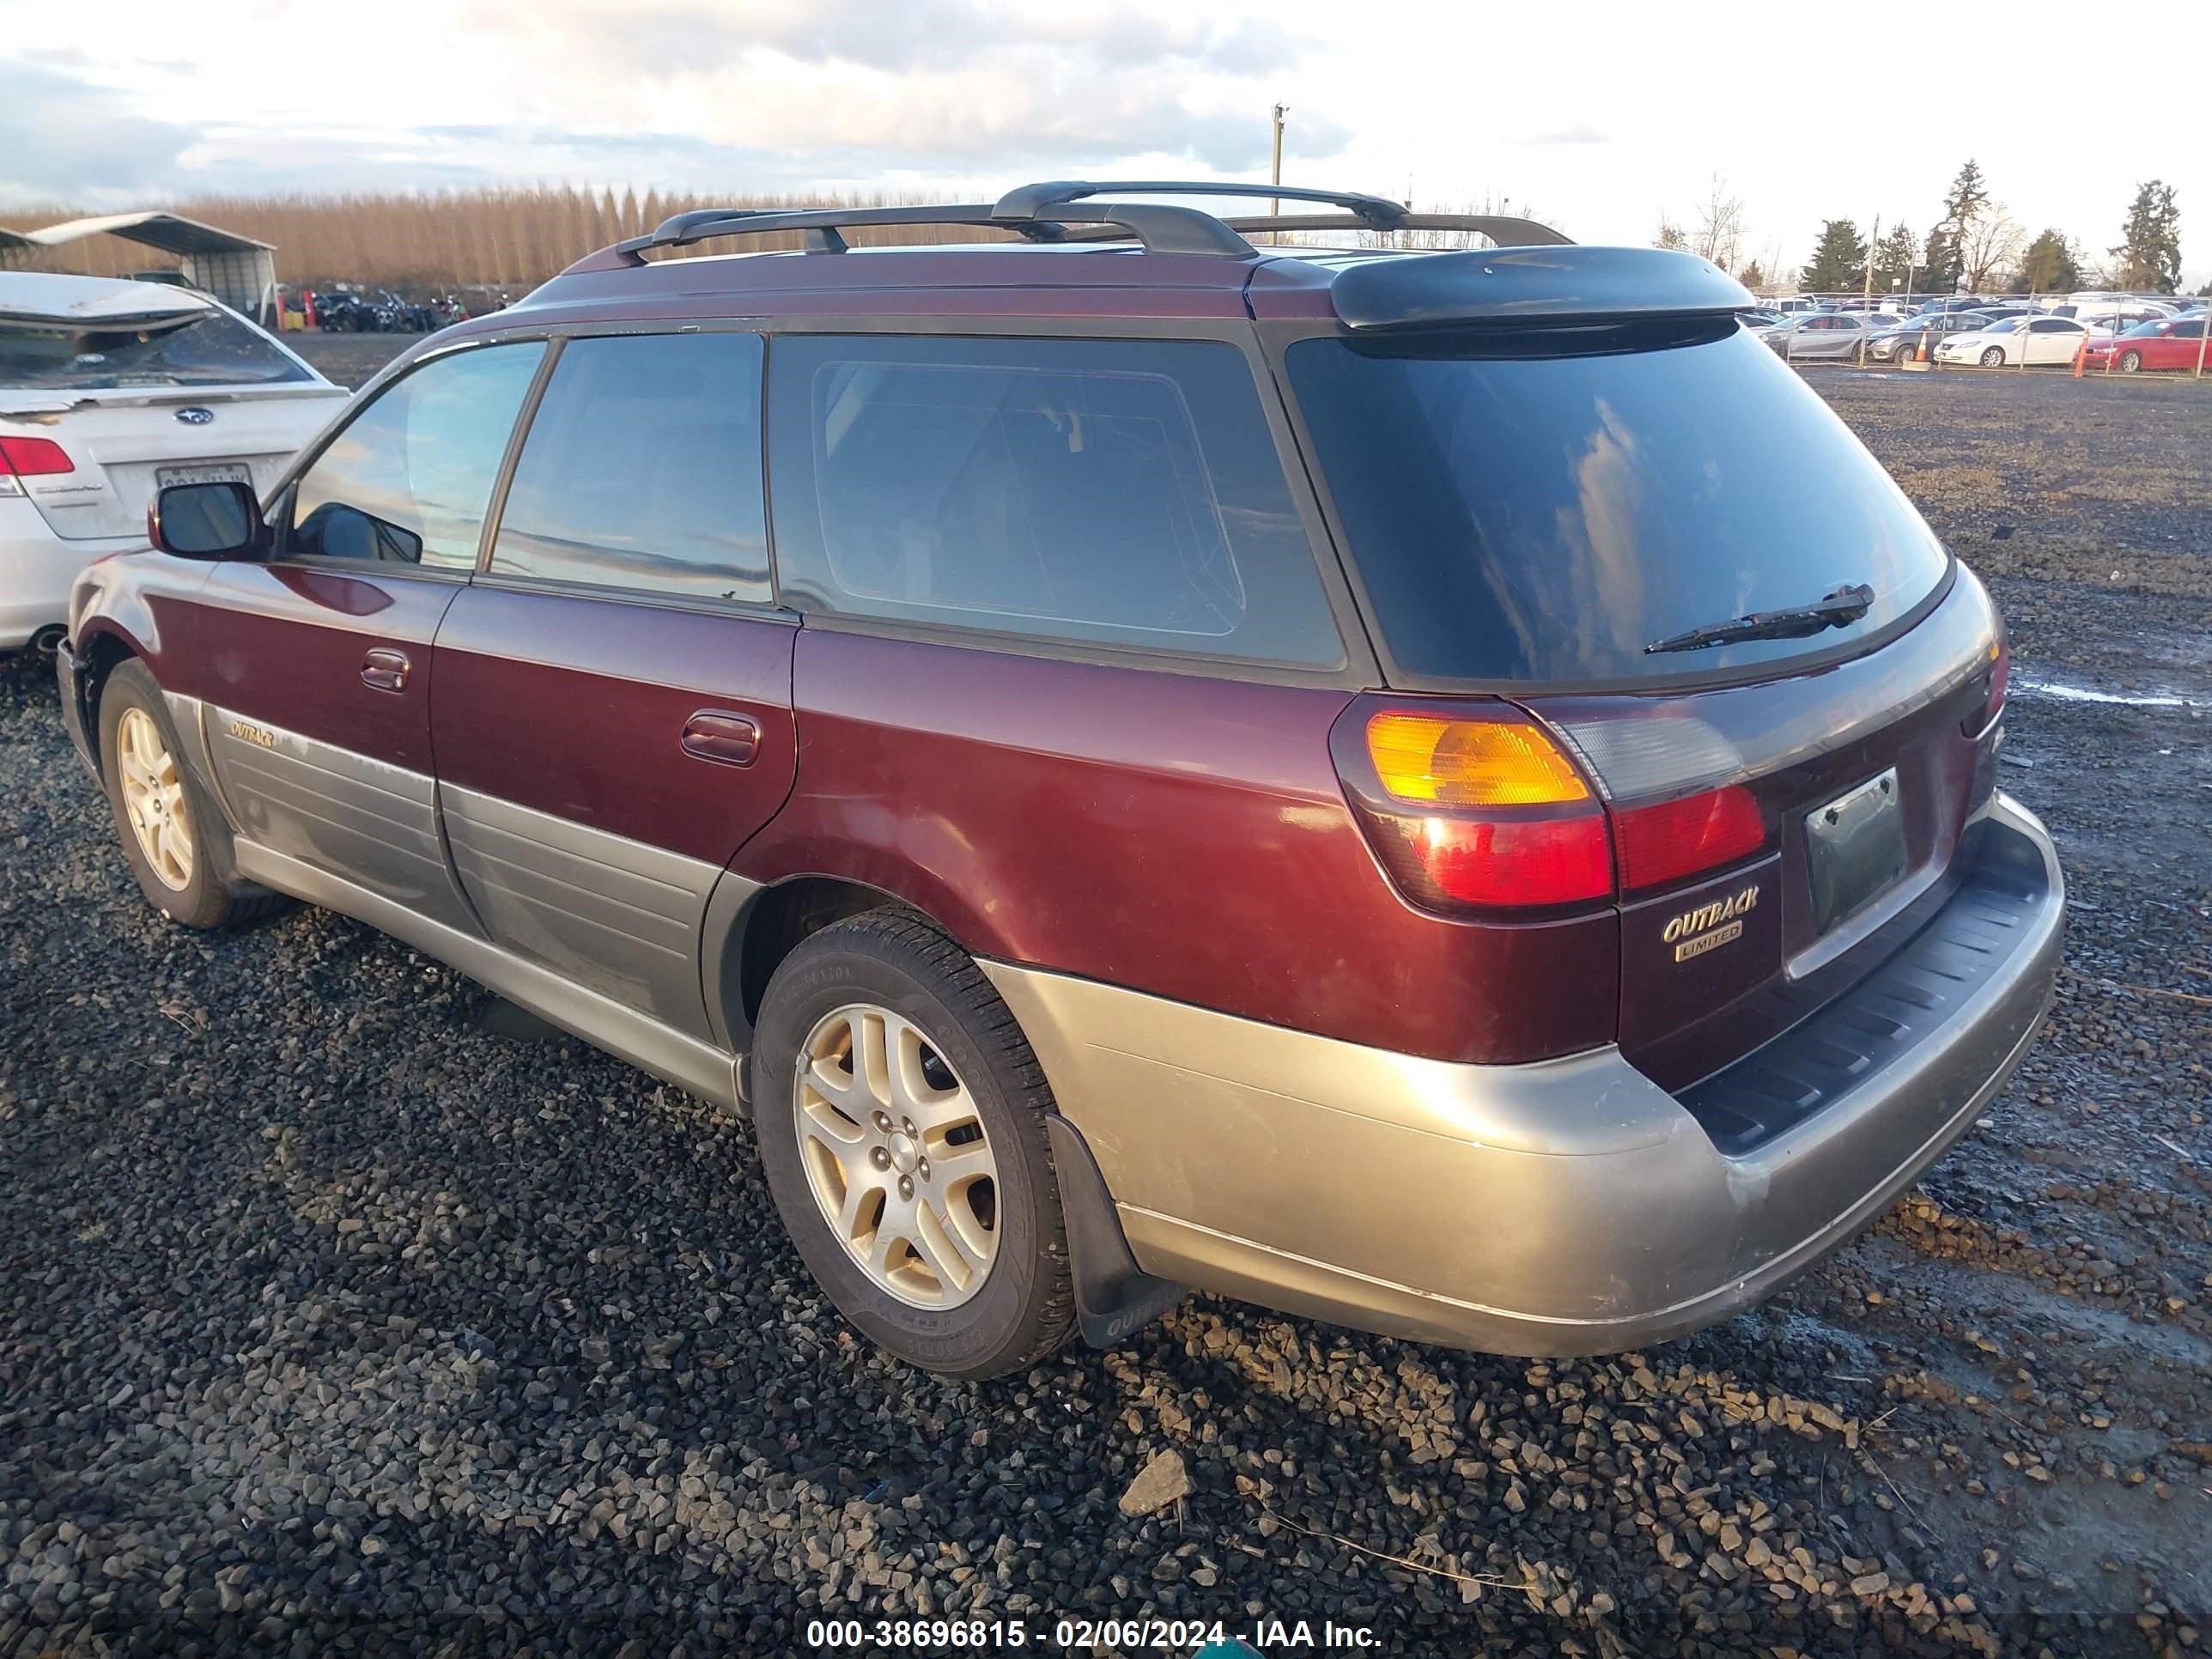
point(100, 649)
point(752, 929)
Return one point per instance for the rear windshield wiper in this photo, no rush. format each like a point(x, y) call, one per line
point(1844, 606)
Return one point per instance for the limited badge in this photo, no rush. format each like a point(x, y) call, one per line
point(1710, 926)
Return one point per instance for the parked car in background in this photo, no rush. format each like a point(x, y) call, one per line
point(2039, 339)
point(1756, 319)
point(1090, 891)
point(109, 390)
point(1902, 338)
point(1818, 334)
point(2158, 343)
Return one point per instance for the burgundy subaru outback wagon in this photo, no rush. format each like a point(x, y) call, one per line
point(1443, 792)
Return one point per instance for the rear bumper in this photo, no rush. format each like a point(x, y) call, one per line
point(37, 570)
point(1566, 1207)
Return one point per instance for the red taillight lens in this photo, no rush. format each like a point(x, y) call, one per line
point(1500, 863)
point(1977, 723)
point(1678, 838)
point(33, 458)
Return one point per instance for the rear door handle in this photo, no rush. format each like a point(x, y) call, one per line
point(727, 739)
point(384, 669)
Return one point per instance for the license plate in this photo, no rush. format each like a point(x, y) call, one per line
point(1855, 849)
point(219, 472)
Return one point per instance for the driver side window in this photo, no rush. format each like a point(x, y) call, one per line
point(408, 479)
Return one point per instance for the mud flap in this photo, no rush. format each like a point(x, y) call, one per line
point(1114, 1296)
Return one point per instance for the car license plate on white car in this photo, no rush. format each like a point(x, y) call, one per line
point(217, 472)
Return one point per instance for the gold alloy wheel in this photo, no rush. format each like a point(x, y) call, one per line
point(154, 797)
point(897, 1157)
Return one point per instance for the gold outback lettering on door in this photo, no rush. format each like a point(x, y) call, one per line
point(1710, 926)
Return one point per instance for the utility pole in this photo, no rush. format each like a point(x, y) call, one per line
point(1873, 240)
point(1275, 171)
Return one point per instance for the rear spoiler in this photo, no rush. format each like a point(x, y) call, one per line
point(1554, 285)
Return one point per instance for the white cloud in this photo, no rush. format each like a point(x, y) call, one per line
point(1602, 123)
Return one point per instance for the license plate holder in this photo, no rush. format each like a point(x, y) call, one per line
point(212, 472)
point(1855, 849)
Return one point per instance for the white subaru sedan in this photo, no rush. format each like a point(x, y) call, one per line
point(109, 390)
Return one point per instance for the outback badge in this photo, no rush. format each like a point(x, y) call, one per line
point(252, 733)
point(1710, 926)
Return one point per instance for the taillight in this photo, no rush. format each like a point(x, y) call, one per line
point(33, 458)
point(1482, 810)
point(1673, 839)
point(1977, 723)
point(1476, 811)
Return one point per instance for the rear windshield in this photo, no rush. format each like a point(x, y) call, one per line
point(208, 348)
point(1542, 519)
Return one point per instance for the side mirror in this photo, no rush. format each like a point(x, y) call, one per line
point(206, 521)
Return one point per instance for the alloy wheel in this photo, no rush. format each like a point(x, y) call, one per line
point(2131, 361)
point(896, 1156)
point(154, 799)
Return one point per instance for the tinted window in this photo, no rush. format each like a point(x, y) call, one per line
point(193, 348)
point(642, 469)
point(1124, 491)
point(408, 478)
point(1541, 519)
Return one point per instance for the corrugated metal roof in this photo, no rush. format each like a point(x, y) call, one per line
point(169, 232)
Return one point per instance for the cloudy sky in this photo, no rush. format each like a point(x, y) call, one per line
point(1601, 116)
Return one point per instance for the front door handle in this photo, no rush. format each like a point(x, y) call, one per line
point(384, 669)
point(727, 739)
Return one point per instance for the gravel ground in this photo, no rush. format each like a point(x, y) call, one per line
point(334, 1321)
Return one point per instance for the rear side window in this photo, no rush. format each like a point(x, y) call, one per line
point(642, 470)
point(408, 479)
point(1126, 492)
point(1541, 520)
point(205, 348)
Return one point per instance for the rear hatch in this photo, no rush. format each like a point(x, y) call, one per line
point(95, 414)
point(1594, 522)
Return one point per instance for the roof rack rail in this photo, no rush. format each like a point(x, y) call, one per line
point(1503, 229)
point(1031, 200)
point(1043, 212)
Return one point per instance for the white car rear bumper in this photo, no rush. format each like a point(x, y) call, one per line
point(38, 568)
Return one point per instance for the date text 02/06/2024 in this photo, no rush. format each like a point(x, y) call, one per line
point(1200, 1639)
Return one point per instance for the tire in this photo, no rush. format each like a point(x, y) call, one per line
point(2131, 363)
point(1994, 357)
point(183, 862)
point(1018, 1307)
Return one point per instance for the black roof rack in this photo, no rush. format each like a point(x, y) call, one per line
point(1502, 228)
point(1160, 228)
point(1043, 212)
point(1032, 201)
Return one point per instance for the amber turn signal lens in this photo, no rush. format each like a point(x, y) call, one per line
point(1424, 759)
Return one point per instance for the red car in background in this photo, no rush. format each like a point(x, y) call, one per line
point(2161, 342)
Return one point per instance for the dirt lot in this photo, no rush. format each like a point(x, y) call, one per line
point(333, 1321)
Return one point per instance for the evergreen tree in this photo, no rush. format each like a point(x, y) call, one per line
point(1839, 262)
point(1752, 277)
point(1944, 258)
point(2149, 253)
point(1941, 263)
point(1894, 269)
point(1969, 195)
point(2048, 266)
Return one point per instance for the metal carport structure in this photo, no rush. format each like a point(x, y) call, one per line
point(238, 271)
